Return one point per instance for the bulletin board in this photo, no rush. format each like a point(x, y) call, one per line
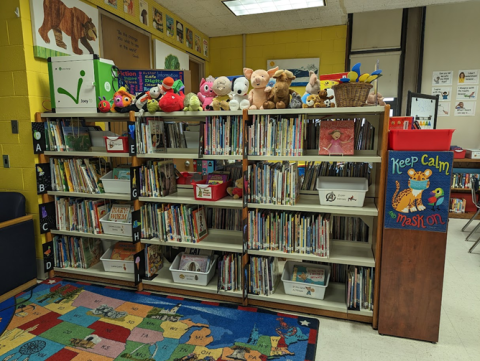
point(127, 47)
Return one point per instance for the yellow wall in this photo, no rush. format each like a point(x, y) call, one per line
point(327, 43)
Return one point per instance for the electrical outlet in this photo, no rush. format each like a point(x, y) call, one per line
point(6, 161)
point(14, 126)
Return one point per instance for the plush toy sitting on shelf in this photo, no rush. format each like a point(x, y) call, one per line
point(206, 93)
point(104, 105)
point(166, 85)
point(239, 94)
point(310, 101)
point(237, 191)
point(192, 103)
point(121, 99)
point(312, 88)
point(171, 102)
point(280, 95)
point(259, 80)
point(379, 98)
point(296, 101)
point(325, 100)
point(152, 105)
point(222, 87)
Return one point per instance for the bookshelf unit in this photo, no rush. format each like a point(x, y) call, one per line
point(464, 165)
point(341, 252)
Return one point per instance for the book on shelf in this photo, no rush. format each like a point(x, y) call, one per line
point(151, 137)
point(306, 274)
point(80, 215)
point(121, 172)
point(153, 259)
point(224, 218)
point(175, 135)
point(458, 205)
point(157, 179)
point(76, 252)
point(229, 270)
point(121, 213)
point(76, 138)
point(262, 275)
point(173, 222)
point(289, 232)
point(77, 175)
point(359, 288)
point(195, 263)
point(336, 137)
point(463, 180)
point(348, 229)
point(216, 178)
point(123, 251)
point(223, 135)
point(276, 135)
point(273, 183)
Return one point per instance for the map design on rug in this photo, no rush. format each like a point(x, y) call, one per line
point(64, 321)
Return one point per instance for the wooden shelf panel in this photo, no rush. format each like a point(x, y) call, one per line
point(466, 215)
point(97, 271)
point(341, 252)
point(188, 156)
point(110, 237)
point(185, 115)
point(117, 196)
point(461, 190)
point(185, 196)
point(217, 240)
point(85, 154)
point(105, 117)
point(319, 158)
point(312, 204)
point(465, 160)
point(323, 112)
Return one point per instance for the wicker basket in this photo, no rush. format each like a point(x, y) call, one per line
point(351, 94)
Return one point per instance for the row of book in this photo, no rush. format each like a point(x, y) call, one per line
point(360, 285)
point(223, 135)
point(76, 252)
point(77, 175)
point(332, 169)
point(262, 275)
point(463, 180)
point(80, 215)
point(289, 232)
point(155, 136)
point(66, 136)
point(348, 229)
point(157, 179)
point(229, 269)
point(276, 136)
point(458, 205)
point(173, 222)
point(273, 183)
point(224, 218)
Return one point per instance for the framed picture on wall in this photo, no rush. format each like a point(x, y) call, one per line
point(423, 108)
point(143, 12)
point(157, 20)
point(170, 25)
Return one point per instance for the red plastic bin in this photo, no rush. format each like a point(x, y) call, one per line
point(187, 177)
point(116, 144)
point(420, 139)
point(459, 153)
point(210, 192)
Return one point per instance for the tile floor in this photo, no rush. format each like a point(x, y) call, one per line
point(459, 324)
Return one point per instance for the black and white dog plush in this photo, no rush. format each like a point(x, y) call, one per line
point(239, 94)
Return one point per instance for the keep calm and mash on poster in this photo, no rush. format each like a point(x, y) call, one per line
point(418, 190)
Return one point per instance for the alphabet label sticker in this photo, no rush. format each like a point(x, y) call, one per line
point(418, 190)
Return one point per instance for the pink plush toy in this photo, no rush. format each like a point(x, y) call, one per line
point(259, 80)
point(206, 93)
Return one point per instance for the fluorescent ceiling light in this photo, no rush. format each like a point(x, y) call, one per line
point(250, 7)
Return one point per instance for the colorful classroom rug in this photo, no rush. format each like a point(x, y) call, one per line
point(63, 321)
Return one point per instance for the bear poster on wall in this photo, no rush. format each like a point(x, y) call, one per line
point(64, 27)
point(418, 190)
point(143, 12)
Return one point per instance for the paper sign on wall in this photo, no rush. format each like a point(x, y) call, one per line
point(443, 109)
point(467, 92)
point(444, 93)
point(464, 109)
point(468, 77)
point(442, 77)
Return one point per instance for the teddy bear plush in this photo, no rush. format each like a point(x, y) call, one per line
point(222, 86)
point(259, 80)
point(310, 101)
point(206, 93)
point(239, 94)
point(237, 191)
point(325, 101)
point(280, 95)
point(296, 101)
point(313, 86)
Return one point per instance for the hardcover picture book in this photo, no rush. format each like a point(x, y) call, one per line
point(157, 136)
point(123, 251)
point(168, 180)
point(92, 250)
point(121, 213)
point(309, 275)
point(217, 178)
point(200, 223)
point(336, 137)
point(77, 138)
point(121, 173)
point(194, 263)
point(154, 260)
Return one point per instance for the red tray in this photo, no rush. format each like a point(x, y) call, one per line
point(420, 139)
point(459, 153)
point(213, 192)
point(116, 144)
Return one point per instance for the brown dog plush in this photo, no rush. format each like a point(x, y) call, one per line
point(324, 100)
point(280, 95)
point(310, 103)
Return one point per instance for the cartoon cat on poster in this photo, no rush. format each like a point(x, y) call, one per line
point(418, 190)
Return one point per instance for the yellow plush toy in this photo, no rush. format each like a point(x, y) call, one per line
point(237, 191)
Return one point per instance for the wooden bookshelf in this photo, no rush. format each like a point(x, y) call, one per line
point(110, 237)
point(113, 196)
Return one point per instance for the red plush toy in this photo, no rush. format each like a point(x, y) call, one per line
point(171, 102)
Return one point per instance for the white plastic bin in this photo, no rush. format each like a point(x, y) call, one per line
point(342, 191)
point(116, 265)
point(115, 185)
point(118, 228)
point(189, 277)
point(301, 289)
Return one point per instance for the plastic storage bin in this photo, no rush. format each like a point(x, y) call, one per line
point(190, 277)
point(115, 185)
point(116, 144)
point(420, 139)
point(116, 265)
point(301, 289)
point(340, 191)
point(117, 228)
point(210, 192)
point(459, 153)
point(187, 177)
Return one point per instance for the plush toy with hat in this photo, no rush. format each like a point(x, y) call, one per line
point(259, 80)
point(166, 85)
point(206, 93)
point(239, 94)
point(222, 86)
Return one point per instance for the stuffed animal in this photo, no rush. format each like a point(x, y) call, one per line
point(206, 93)
point(310, 102)
point(259, 80)
point(222, 86)
point(296, 101)
point(152, 105)
point(371, 99)
point(237, 191)
point(192, 103)
point(239, 94)
point(121, 99)
point(103, 105)
point(325, 100)
point(171, 102)
point(280, 95)
point(313, 86)
point(166, 85)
